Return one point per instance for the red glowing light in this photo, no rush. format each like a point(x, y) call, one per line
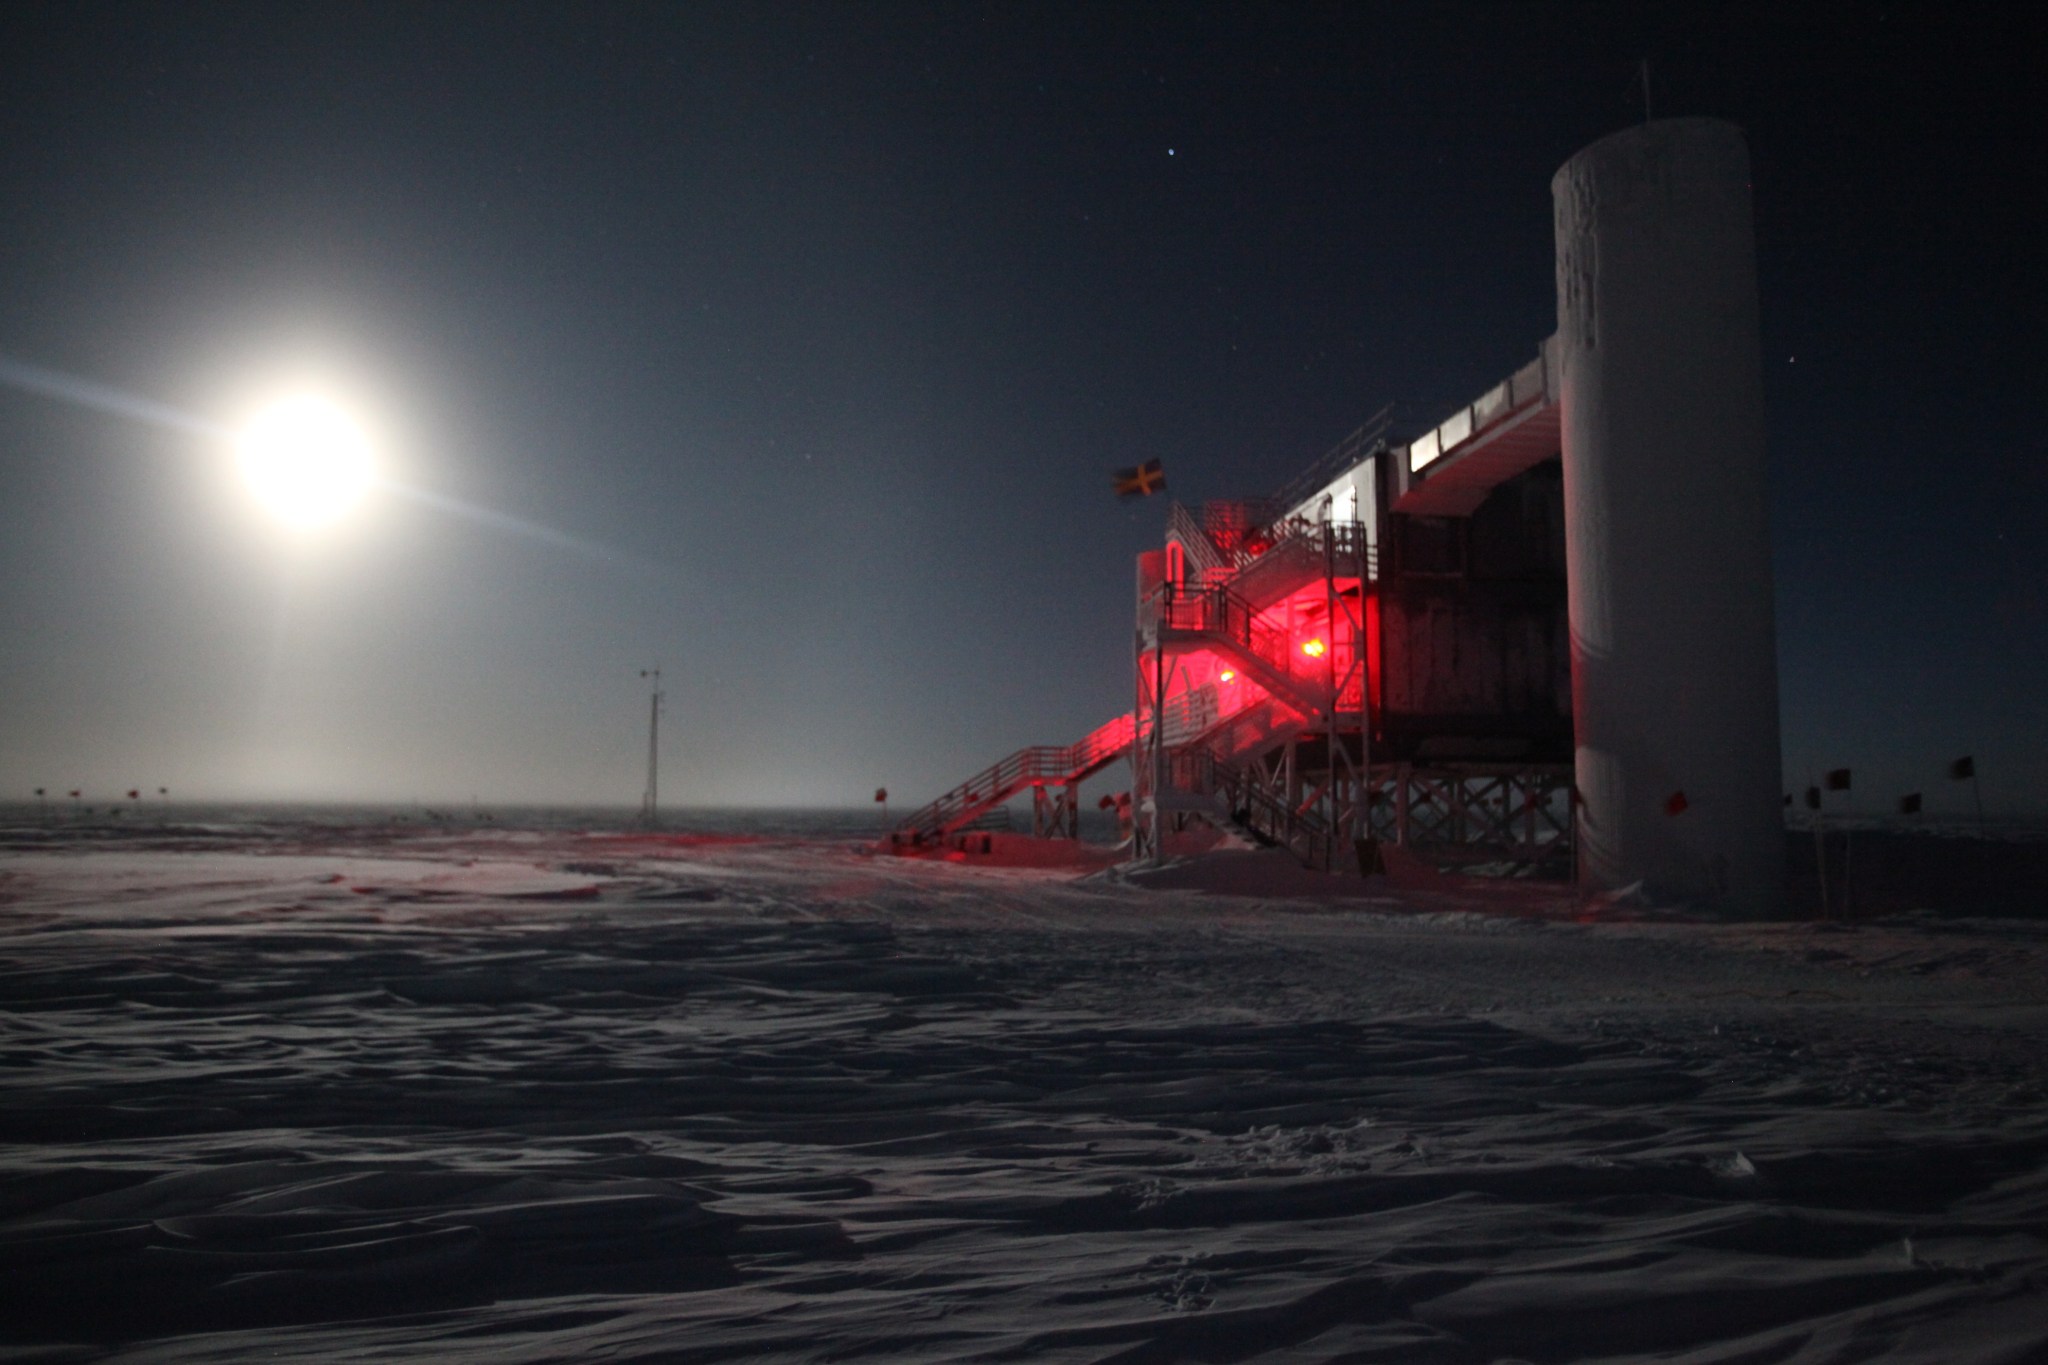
point(1315, 649)
point(1227, 675)
point(1372, 649)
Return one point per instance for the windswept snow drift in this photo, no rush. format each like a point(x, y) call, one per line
point(541, 1097)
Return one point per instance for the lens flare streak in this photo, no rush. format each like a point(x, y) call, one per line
point(104, 398)
point(101, 398)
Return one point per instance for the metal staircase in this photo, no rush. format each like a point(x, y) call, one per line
point(1303, 553)
point(1239, 799)
point(1219, 619)
point(1038, 767)
point(1301, 681)
point(1290, 555)
point(1203, 735)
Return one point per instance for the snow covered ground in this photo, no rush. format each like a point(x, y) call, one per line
point(318, 1094)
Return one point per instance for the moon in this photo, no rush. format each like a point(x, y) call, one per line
point(306, 461)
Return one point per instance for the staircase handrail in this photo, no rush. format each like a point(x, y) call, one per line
point(1219, 611)
point(1344, 545)
point(1034, 764)
point(1203, 556)
point(1200, 769)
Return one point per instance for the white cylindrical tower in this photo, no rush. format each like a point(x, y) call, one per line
point(1674, 650)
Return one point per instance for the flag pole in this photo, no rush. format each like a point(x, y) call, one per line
point(1820, 849)
point(1159, 733)
point(1848, 856)
point(1840, 780)
point(1963, 767)
point(1820, 858)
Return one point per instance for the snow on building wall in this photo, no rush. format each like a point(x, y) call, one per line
point(1668, 553)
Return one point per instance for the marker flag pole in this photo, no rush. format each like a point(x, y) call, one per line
point(1820, 848)
point(1966, 767)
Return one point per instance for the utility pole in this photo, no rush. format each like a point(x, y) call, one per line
point(650, 800)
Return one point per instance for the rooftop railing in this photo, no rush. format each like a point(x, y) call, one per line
point(1370, 437)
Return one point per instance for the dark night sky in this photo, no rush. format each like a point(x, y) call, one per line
point(828, 323)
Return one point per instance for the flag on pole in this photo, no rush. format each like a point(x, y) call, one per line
point(1909, 804)
point(881, 795)
point(1964, 769)
point(1838, 779)
point(1141, 481)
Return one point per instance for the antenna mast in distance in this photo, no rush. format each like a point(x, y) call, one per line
point(650, 800)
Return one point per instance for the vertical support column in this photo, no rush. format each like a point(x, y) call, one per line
point(1333, 762)
point(1361, 651)
point(1159, 749)
point(1137, 755)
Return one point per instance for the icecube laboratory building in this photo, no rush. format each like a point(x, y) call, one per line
point(1539, 630)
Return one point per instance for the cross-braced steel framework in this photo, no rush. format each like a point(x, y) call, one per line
point(1296, 769)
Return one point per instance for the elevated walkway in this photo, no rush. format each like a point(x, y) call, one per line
point(1511, 427)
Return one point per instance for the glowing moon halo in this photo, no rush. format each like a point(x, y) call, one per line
point(306, 461)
